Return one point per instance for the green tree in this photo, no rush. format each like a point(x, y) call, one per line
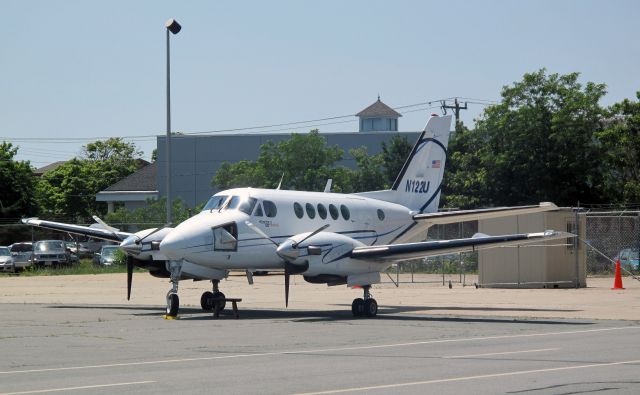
point(152, 215)
point(538, 144)
point(69, 190)
point(394, 154)
point(17, 184)
point(304, 159)
point(620, 148)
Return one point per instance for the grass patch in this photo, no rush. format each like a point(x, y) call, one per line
point(86, 266)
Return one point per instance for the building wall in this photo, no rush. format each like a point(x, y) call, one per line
point(195, 159)
point(551, 264)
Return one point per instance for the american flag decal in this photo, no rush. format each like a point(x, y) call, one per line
point(435, 164)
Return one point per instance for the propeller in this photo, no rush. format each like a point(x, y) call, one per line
point(288, 250)
point(130, 264)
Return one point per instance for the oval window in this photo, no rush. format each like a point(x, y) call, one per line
point(270, 208)
point(333, 210)
point(322, 211)
point(380, 215)
point(311, 212)
point(297, 208)
point(345, 212)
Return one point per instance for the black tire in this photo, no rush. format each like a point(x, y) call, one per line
point(218, 295)
point(173, 304)
point(357, 307)
point(206, 301)
point(370, 307)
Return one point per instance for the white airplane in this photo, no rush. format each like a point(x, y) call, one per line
point(326, 237)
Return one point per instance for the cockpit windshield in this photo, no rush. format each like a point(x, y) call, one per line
point(244, 204)
point(215, 202)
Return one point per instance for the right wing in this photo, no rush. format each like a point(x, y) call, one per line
point(402, 252)
point(98, 233)
point(424, 221)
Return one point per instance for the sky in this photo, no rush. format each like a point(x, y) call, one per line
point(72, 72)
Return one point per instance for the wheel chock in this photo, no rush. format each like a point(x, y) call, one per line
point(170, 317)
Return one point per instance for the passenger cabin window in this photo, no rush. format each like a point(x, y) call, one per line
point(333, 210)
point(311, 211)
point(215, 203)
point(270, 208)
point(380, 215)
point(258, 211)
point(322, 211)
point(297, 208)
point(345, 212)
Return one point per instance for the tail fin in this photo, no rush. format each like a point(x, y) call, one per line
point(419, 182)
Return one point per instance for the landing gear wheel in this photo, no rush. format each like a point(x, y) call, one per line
point(173, 304)
point(370, 307)
point(206, 301)
point(357, 307)
point(215, 296)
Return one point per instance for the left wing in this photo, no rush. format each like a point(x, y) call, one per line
point(401, 252)
point(110, 234)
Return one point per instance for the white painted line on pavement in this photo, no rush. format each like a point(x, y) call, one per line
point(501, 353)
point(76, 388)
point(322, 350)
point(467, 378)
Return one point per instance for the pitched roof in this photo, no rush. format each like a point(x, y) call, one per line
point(378, 109)
point(49, 167)
point(142, 180)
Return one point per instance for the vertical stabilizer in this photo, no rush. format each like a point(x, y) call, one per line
point(419, 182)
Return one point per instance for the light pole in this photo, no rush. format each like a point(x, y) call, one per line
point(174, 27)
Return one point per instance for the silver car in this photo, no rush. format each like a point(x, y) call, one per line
point(22, 254)
point(6, 260)
point(106, 255)
point(51, 253)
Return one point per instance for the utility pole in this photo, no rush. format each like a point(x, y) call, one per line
point(456, 106)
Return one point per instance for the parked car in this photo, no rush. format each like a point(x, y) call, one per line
point(51, 253)
point(22, 254)
point(6, 260)
point(629, 258)
point(106, 255)
point(79, 249)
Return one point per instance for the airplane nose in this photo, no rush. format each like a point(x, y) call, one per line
point(174, 246)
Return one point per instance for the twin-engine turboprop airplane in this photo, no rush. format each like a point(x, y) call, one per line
point(326, 237)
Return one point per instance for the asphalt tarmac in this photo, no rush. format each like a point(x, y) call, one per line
point(77, 334)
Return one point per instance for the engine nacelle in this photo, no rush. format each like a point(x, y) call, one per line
point(326, 253)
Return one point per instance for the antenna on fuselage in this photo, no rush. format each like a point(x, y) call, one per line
point(327, 188)
point(280, 183)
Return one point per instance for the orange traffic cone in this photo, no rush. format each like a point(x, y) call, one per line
point(617, 282)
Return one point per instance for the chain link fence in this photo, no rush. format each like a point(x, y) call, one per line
point(609, 236)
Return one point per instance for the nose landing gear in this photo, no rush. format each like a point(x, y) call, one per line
point(173, 301)
point(366, 306)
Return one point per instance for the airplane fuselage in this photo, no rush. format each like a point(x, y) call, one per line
point(218, 237)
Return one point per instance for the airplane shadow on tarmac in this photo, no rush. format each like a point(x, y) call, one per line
point(386, 313)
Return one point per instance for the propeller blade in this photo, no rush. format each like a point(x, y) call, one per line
point(315, 232)
point(129, 275)
point(260, 232)
point(286, 286)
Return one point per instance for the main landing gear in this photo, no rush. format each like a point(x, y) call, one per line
point(208, 299)
point(366, 306)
